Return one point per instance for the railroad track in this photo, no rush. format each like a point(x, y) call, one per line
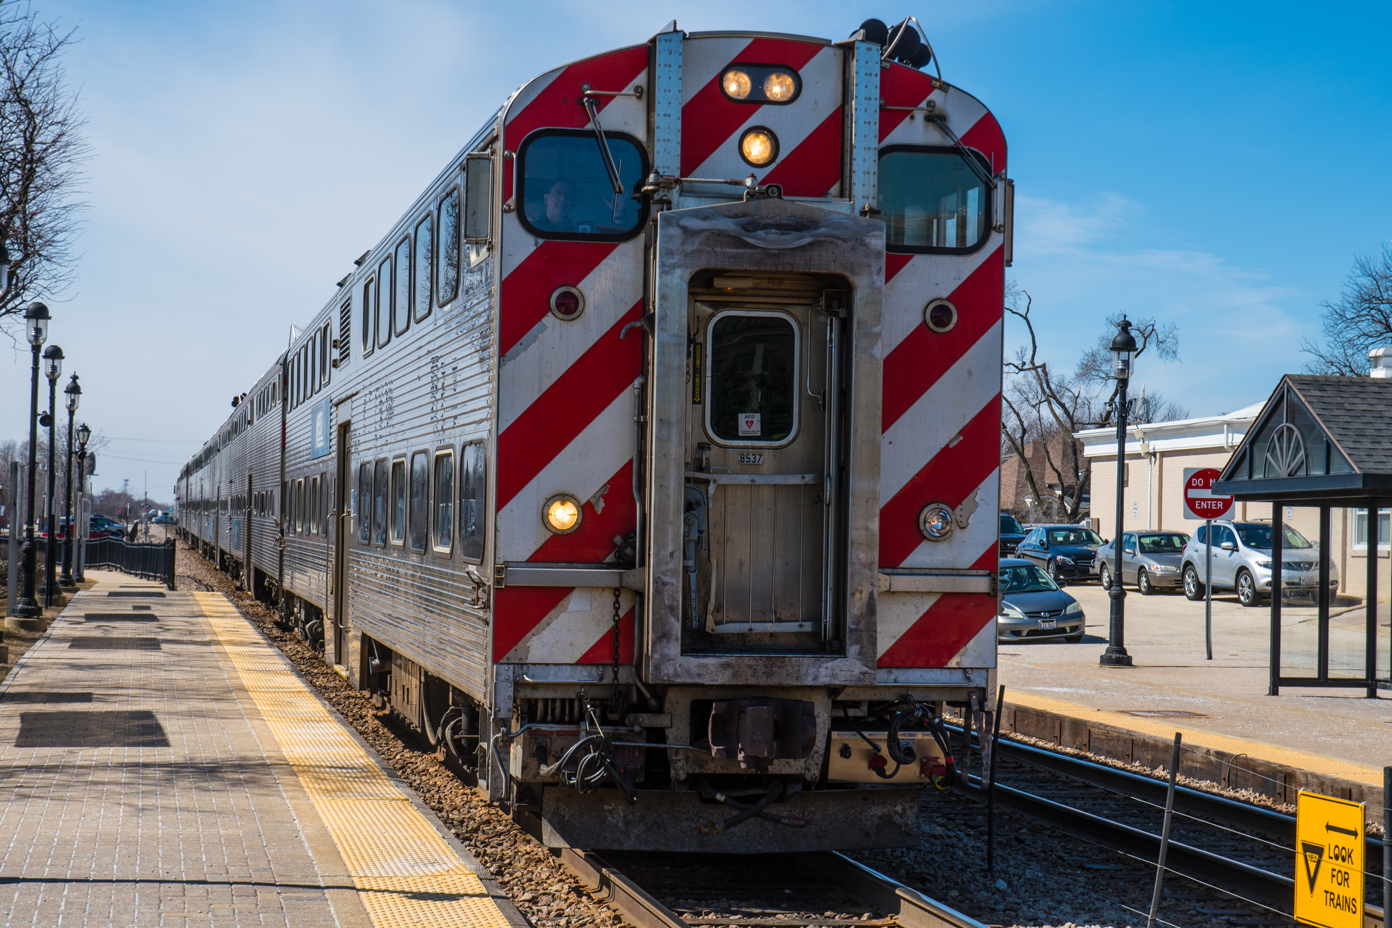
point(703, 891)
point(1235, 847)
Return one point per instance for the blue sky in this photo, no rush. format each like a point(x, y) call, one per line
point(1213, 165)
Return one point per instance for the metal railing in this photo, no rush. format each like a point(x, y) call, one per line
point(147, 561)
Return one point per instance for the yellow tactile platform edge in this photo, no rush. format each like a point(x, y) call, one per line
point(405, 872)
point(1165, 729)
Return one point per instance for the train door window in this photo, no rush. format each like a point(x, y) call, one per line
point(447, 262)
point(564, 189)
point(324, 496)
point(398, 502)
point(419, 524)
point(932, 200)
point(752, 378)
point(312, 516)
point(369, 317)
point(364, 512)
point(384, 302)
point(379, 502)
point(473, 472)
point(424, 272)
point(444, 501)
point(402, 315)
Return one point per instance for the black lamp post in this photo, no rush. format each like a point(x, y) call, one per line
point(83, 434)
point(74, 393)
point(1123, 352)
point(53, 369)
point(36, 330)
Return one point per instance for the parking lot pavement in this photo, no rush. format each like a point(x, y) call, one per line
point(1165, 637)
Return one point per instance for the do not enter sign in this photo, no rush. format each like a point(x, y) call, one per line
point(1199, 499)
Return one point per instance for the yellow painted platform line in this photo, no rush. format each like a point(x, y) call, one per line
point(1165, 729)
point(405, 872)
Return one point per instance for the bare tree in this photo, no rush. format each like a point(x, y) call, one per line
point(41, 154)
point(1360, 319)
point(1044, 408)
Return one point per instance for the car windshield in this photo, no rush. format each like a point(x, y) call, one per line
point(1025, 579)
point(1010, 525)
point(1074, 536)
point(1257, 535)
point(1162, 544)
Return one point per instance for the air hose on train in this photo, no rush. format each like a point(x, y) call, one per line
point(914, 713)
point(593, 757)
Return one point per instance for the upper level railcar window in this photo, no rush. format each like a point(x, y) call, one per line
point(473, 470)
point(369, 330)
point(565, 190)
point(932, 201)
point(448, 262)
point(384, 302)
point(325, 352)
point(403, 286)
point(423, 275)
point(419, 521)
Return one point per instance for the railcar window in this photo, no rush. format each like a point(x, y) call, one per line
point(932, 201)
point(312, 517)
point(379, 503)
point(325, 353)
point(565, 189)
point(420, 508)
point(324, 495)
point(384, 302)
point(299, 506)
point(398, 502)
point(403, 286)
point(447, 262)
point(753, 377)
point(444, 501)
point(473, 473)
point(311, 366)
point(425, 268)
point(364, 512)
point(369, 330)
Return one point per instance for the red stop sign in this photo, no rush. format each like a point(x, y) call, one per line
point(1199, 499)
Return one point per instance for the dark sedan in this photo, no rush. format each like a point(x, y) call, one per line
point(1011, 534)
point(1033, 607)
point(1064, 551)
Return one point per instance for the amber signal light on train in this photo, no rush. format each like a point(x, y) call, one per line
point(562, 514)
point(758, 146)
point(760, 84)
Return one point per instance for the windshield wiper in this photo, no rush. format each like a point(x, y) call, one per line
point(588, 102)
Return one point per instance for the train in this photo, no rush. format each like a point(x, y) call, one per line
point(649, 464)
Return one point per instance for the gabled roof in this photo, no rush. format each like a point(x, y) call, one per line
point(1317, 438)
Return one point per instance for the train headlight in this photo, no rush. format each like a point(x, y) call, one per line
point(561, 514)
point(935, 521)
point(758, 146)
point(779, 86)
point(737, 84)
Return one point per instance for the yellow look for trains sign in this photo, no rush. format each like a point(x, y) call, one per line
point(1328, 861)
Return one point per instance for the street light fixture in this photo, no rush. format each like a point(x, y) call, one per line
point(83, 435)
point(74, 394)
point(53, 369)
point(36, 330)
point(1123, 354)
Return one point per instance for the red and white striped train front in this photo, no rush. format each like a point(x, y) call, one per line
point(749, 365)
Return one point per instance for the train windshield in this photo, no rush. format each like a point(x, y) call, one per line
point(566, 190)
point(931, 201)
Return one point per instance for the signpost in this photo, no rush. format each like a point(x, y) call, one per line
point(1328, 861)
point(1201, 503)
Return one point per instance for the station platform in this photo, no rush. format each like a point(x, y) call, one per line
point(162, 764)
point(1330, 740)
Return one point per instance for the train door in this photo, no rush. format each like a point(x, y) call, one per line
point(763, 495)
point(343, 514)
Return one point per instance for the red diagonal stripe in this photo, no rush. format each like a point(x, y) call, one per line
point(593, 541)
point(954, 473)
point(709, 118)
point(566, 408)
point(814, 166)
point(602, 651)
point(924, 356)
point(517, 610)
point(936, 637)
point(986, 137)
point(901, 86)
point(894, 264)
point(526, 292)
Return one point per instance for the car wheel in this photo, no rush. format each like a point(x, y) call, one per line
point(1052, 569)
point(1105, 577)
point(1143, 583)
point(1193, 589)
point(1072, 639)
point(1247, 589)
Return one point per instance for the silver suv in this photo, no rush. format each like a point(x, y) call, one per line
point(1242, 562)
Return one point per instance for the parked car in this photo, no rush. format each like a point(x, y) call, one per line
point(163, 519)
point(1242, 561)
point(1150, 560)
point(1064, 551)
point(1011, 534)
point(1033, 606)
